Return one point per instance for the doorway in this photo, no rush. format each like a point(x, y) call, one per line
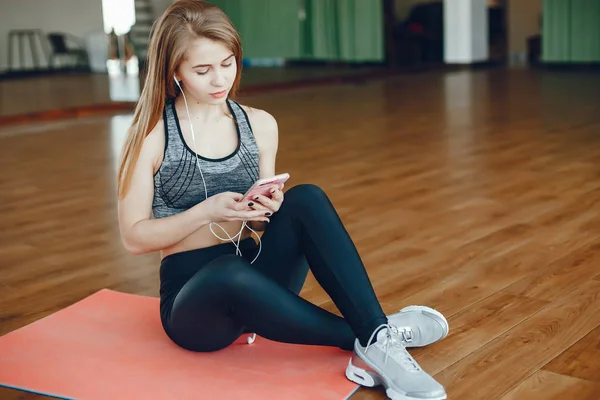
point(498, 30)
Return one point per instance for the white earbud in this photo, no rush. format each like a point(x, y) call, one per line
point(251, 339)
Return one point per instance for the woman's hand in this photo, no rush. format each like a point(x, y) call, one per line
point(225, 207)
point(268, 205)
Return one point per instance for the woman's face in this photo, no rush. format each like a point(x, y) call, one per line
point(208, 71)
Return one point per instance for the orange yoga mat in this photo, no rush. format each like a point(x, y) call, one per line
point(111, 345)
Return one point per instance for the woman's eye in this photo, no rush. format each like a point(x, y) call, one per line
point(227, 65)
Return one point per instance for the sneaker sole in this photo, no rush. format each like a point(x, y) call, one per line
point(433, 314)
point(371, 379)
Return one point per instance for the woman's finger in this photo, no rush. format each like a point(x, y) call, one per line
point(246, 205)
point(267, 202)
point(277, 195)
point(253, 215)
point(257, 206)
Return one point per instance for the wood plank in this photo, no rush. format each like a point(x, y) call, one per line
point(475, 280)
point(476, 326)
point(550, 386)
point(582, 360)
point(403, 280)
point(563, 275)
point(504, 362)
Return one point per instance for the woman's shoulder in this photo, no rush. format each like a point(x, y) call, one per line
point(157, 133)
point(264, 125)
point(154, 144)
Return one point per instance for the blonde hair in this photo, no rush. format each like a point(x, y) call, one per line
point(182, 22)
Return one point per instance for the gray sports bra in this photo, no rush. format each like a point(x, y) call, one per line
point(178, 184)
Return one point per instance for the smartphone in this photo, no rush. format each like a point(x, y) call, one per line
point(264, 186)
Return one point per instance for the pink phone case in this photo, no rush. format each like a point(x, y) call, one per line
point(264, 186)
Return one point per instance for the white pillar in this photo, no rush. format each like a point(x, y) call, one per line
point(465, 31)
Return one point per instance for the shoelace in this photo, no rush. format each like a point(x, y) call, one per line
point(407, 334)
point(393, 347)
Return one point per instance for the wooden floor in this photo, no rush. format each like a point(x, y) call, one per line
point(477, 193)
point(35, 98)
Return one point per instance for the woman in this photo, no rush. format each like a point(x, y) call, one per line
point(190, 154)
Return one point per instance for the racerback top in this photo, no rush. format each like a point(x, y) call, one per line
point(178, 183)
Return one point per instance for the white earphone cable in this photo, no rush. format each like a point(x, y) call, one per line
point(244, 223)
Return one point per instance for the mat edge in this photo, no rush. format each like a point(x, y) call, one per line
point(352, 393)
point(35, 392)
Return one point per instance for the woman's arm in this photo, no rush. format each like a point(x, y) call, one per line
point(140, 233)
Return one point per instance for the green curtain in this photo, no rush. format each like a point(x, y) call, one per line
point(338, 30)
point(344, 30)
point(320, 30)
point(571, 31)
point(267, 28)
point(585, 30)
point(361, 32)
point(556, 30)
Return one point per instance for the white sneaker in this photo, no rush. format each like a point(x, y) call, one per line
point(419, 325)
point(386, 362)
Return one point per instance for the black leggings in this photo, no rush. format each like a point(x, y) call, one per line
point(210, 296)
